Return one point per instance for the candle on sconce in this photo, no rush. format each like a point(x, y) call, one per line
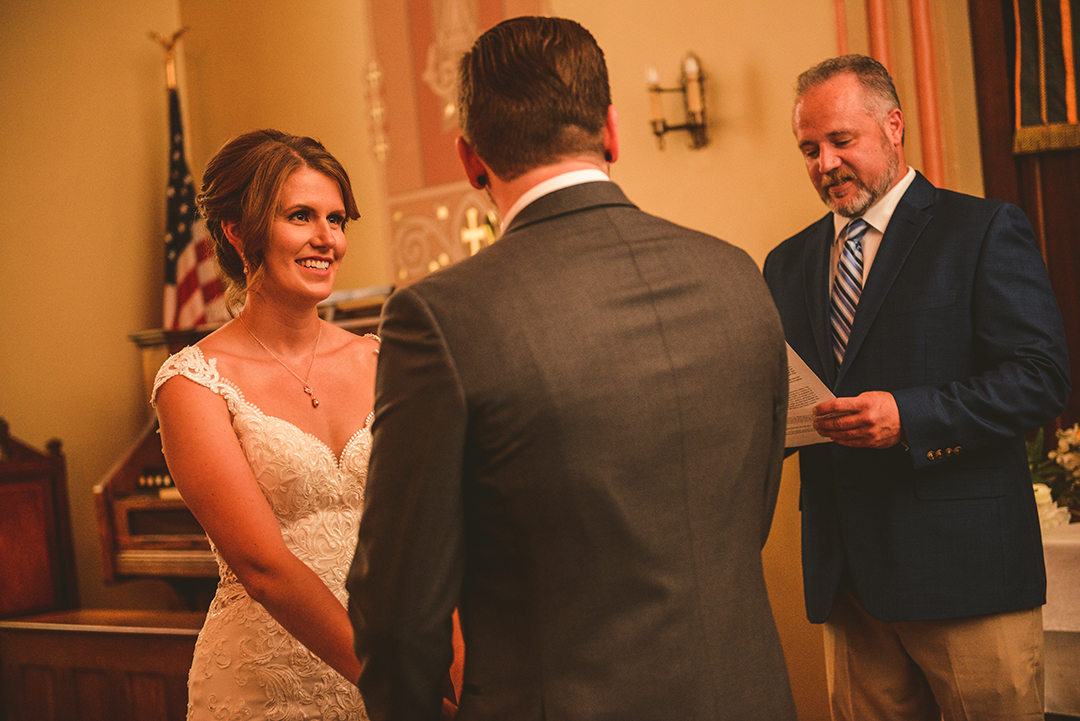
point(656, 103)
point(692, 78)
point(693, 93)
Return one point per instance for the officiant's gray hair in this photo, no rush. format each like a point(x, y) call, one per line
point(879, 92)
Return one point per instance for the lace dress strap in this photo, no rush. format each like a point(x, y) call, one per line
point(191, 364)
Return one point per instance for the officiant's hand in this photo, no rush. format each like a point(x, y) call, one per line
point(869, 420)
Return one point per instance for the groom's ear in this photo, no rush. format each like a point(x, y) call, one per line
point(478, 174)
point(611, 135)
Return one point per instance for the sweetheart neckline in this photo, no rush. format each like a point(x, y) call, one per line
point(337, 458)
point(366, 426)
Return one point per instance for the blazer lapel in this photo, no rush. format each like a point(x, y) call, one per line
point(906, 225)
point(816, 258)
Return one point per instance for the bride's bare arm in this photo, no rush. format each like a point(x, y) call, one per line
point(210, 470)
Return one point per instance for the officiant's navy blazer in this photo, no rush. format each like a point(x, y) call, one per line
point(958, 321)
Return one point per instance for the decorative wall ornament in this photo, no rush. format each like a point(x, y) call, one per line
point(457, 25)
point(419, 246)
point(379, 144)
point(427, 235)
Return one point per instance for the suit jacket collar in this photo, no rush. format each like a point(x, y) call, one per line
point(908, 221)
point(584, 196)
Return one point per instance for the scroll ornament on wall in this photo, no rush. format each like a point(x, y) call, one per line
point(457, 25)
point(1046, 70)
point(438, 227)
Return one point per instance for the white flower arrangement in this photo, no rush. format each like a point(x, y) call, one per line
point(1051, 515)
point(1056, 478)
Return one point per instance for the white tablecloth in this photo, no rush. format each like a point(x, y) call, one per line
point(1061, 619)
point(1061, 549)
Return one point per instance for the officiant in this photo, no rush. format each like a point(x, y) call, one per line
point(930, 315)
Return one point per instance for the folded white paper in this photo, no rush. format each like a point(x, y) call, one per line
point(805, 390)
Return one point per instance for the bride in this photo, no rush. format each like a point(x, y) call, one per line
point(265, 428)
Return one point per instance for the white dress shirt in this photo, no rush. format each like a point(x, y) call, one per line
point(565, 180)
point(877, 218)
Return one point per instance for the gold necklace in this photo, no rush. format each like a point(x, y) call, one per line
point(307, 386)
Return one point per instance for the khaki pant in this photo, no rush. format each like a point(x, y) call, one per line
point(984, 668)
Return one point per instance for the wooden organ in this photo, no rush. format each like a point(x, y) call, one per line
point(145, 533)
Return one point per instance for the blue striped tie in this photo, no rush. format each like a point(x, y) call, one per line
point(847, 287)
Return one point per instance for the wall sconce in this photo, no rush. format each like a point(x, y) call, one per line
point(693, 98)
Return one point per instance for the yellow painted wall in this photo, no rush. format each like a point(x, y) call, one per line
point(84, 142)
point(749, 185)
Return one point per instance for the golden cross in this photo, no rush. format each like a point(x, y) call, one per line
point(472, 234)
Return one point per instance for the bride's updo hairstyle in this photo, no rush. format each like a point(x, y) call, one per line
point(243, 183)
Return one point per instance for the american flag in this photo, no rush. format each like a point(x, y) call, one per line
point(193, 292)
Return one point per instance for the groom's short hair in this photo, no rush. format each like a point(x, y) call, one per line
point(532, 91)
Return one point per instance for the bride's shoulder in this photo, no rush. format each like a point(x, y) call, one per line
point(208, 363)
point(352, 356)
point(223, 341)
point(227, 348)
point(187, 363)
point(357, 346)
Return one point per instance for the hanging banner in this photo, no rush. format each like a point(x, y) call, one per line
point(1046, 75)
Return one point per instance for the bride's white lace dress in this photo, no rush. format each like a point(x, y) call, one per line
point(246, 666)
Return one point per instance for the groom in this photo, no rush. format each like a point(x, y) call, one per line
point(578, 436)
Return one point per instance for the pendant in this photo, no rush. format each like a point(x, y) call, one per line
point(314, 402)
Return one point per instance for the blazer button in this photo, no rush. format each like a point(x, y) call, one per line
point(929, 455)
point(948, 451)
point(937, 454)
point(956, 450)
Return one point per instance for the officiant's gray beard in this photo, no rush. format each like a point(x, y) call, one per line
point(866, 195)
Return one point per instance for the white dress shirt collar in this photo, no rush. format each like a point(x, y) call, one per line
point(878, 215)
point(565, 180)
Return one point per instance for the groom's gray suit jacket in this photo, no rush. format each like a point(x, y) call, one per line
point(578, 440)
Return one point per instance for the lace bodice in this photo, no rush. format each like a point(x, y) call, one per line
point(244, 658)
